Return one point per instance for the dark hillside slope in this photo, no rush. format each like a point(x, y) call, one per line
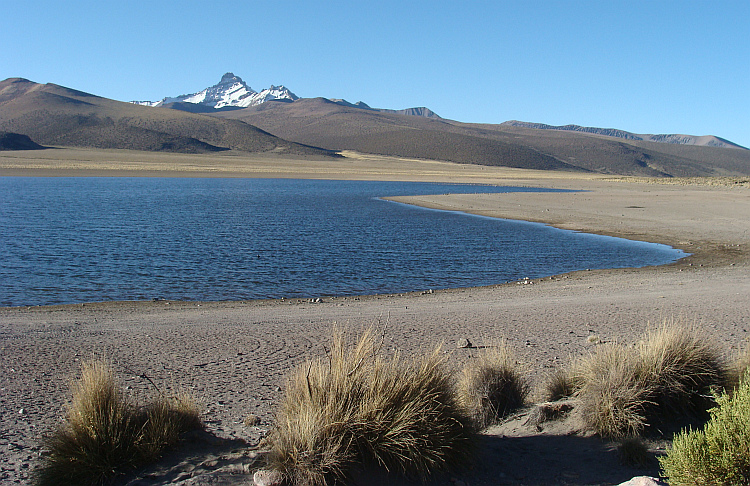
point(610, 155)
point(55, 115)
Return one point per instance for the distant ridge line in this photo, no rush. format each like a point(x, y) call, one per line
point(701, 140)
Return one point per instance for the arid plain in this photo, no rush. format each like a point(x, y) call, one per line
point(232, 356)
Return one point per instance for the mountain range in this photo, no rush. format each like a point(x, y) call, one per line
point(214, 120)
point(231, 92)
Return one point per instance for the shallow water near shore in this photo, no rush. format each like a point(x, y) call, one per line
point(71, 240)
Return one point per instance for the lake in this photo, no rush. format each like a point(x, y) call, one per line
point(72, 240)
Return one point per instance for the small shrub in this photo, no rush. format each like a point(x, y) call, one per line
point(720, 453)
point(104, 434)
point(491, 386)
point(357, 408)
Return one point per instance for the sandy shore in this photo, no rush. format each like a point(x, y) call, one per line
point(233, 356)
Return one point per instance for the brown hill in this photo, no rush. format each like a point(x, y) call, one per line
point(324, 123)
point(55, 115)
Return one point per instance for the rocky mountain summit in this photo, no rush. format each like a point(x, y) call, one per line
point(230, 92)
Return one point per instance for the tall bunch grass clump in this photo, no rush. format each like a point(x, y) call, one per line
point(356, 408)
point(685, 367)
point(719, 454)
point(671, 374)
point(492, 385)
point(104, 434)
point(613, 392)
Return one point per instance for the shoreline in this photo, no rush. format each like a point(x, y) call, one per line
point(233, 356)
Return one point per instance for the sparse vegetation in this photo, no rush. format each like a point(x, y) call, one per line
point(720, 453)
point(491, 386)
point(672, 373)
point(104, 434)
point(356, 408)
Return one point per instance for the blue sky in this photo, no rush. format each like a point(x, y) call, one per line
point(642, 66)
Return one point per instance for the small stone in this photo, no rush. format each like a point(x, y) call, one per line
point(643, 481)
point(593, 339)
point(268, 477)
point(464, 343)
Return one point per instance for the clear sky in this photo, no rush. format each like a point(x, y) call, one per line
point(642, 66)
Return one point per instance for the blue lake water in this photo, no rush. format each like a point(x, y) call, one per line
point(70, 240)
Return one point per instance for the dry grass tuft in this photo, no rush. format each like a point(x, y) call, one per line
point(560, 385)
point(491, 386)
point(613, 394)
point(357, 408)
point(738, 368)
point(166, 419)
point(671, 374)
point(104, 434)
point(685, 368)
point(251, 420)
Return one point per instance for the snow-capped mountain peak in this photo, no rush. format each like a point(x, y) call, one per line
point(231, 91)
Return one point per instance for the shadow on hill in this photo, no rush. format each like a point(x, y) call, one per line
point(17, 141)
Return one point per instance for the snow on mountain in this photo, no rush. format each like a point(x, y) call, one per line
point(146, 103)
point(231, 91)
